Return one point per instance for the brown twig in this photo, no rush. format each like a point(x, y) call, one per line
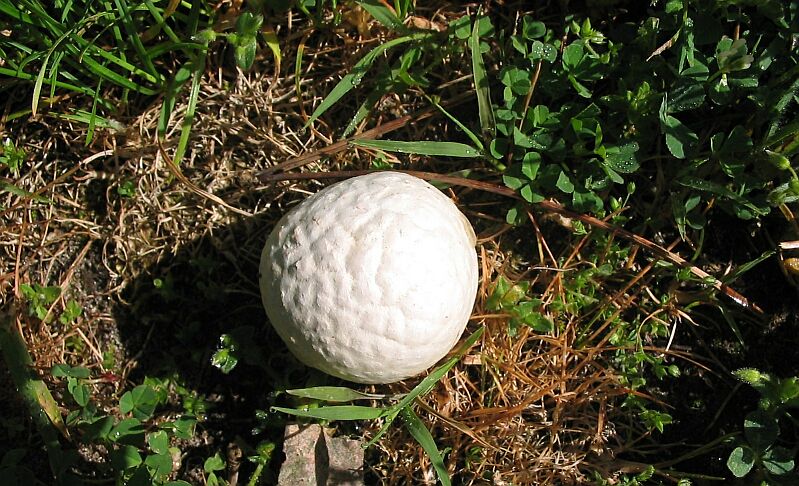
point(547, 205)
point(529, 96)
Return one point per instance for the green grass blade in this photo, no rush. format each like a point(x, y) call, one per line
point(742, 269)
point(159, 20)
point(131, 29)
point(430, 380)
point(55, 69)
point(188, 118)
point(426, 384)
point(338, 412)
point(481, 85)
point(725, 313)
point(298, 69)
point(423, 436)
point(363, 111)
point(87, 117)
point(193, 20)
point(383, 14)
point(333, 394)
point(93, 117)
point(448, 149)
point(29, 77)
point(103, 72)
point(65, 11)
point(170, 98)
point(353, 79)
point(720, 190)
point(166, 47)
point(782, 134)
point(37, 85)
point(37, 397)
point(82, 51)
point(10, 10)
point(472, 136)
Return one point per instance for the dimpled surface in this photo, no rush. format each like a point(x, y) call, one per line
point(372, 279)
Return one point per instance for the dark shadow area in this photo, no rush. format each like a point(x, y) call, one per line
point(711, 403)
point(170, 321)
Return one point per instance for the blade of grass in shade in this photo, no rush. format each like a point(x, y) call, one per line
point(175, 85)
point(37, 85)
point(720, 190)
point(159, 20)
point(29, 77)
point(133, 34)
point(463, 174)
point(725, 313)
point(93, 116)
point(782, 134)
point(9, 9)
point(191, 106)
point(383, 14)
point(41, 18)
point(186, 47)
point(481, 85)
point(363, 111)
point(472, 136)
point(18, 46)
point(298, 69)
point(353, 79)
point(448, 149)
point(55, 70)
point(426, 384)
point(83, 116)
point(333, 394)
point(192, 22)
point(425, 439)
point(65, 11)
point(780, 106)
point(270, 36)
point(742, 269)
point(35, 394)
point(338, 412)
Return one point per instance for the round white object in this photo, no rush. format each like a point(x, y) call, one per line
point(371, 279)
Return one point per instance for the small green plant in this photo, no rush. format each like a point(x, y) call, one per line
point(11, 156)
point(40, 299)
point(211, 466)
point(126, 189)
point(524, 311)
point(766, 452)
point(139, 453)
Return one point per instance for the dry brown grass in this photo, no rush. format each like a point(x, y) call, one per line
point(527, 409)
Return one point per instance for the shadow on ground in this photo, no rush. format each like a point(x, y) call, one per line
point(170, 321)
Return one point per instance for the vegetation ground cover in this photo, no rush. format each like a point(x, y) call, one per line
point(630, 169)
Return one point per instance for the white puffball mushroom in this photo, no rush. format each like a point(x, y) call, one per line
point(371, 279)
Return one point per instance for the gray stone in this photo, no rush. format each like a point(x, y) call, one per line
point(315, 458)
